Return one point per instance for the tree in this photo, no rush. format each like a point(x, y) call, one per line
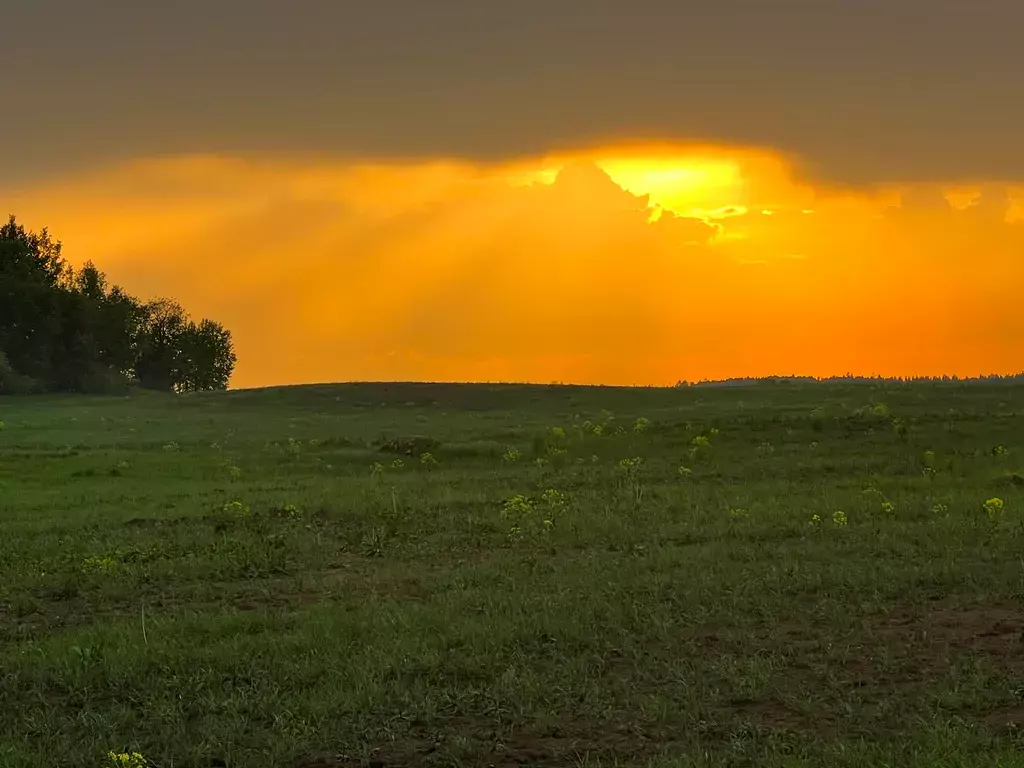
point(207, 357)
point(178, 355)
point(158, 365)
point(30, 256)
point(119, 333)
point(12, 382)
point(32, 276)
point(63, 329)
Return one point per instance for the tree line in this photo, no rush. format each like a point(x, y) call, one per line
point(1013, 378)
point(64, 329)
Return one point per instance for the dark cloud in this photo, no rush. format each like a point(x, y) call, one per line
point(864, 91)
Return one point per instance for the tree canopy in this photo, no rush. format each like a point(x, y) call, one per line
point(66, 330)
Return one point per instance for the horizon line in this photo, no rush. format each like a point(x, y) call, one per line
point(681, 384)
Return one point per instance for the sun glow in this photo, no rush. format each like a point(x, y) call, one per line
point(623, 265)
point(695, 180)
point(707, 183)
point(680, 185)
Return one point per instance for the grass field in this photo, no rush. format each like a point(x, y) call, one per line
point(825, 575)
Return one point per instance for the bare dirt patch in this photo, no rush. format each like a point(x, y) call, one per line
point(1007, 719)
point(471, 741)
point(775, 715)
point(882, 666)
point(928, 640)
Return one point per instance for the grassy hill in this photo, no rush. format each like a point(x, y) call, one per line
point(773, 575)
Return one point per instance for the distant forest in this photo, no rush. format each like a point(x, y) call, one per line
point(1017, 378)
point(66, 330)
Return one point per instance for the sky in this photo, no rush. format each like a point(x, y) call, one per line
point(547, 190)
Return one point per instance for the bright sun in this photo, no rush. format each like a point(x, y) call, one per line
point(691, 182)
point(685, 185)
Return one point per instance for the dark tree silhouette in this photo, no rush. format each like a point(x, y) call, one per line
point(207, 357)
point(67, 330)
point(159, 356)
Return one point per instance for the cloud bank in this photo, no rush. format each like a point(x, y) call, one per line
point(636, 265)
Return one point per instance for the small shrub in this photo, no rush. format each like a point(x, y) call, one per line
point(105, 564)
point(630, 469)
point(698, 447)
point(516, 507)
point(127, 760)
point(556, 501)
point(994, 508)
point(236, 509)
point(288, 512)
point(373, 543)
point(631, 466)
point(529, 520)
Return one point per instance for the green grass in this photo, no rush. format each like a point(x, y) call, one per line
point(229, 580)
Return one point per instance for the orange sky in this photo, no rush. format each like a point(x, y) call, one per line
point(623, 265)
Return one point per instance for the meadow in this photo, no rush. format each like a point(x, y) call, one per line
point(441, 575)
